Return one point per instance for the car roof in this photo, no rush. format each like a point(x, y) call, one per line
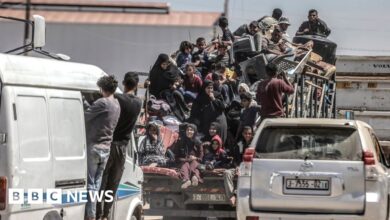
point(320, 122)
point(49, 73)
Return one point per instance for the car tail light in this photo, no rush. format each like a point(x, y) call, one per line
point(248, 155)
point(369, 162)
point(368, 158)
point(3, 192)
point(252, 218)
point(246, 165)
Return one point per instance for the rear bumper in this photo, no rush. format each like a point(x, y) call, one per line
point(190, 213)
point(243, 211)
point(375, 208)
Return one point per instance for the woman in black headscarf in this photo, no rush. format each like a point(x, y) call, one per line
point(207, 108)
point(188, 153)
point(162, 75)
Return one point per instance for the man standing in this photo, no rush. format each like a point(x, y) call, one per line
point(314, 26)
point(100, 119)
point(227, 36)
point(269, 93)
point(130, 109)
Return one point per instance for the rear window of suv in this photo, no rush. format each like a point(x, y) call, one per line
point(315, 143)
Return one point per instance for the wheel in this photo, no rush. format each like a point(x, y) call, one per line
point(53, 215)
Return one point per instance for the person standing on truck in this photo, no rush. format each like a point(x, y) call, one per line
point(227, 36)
point(101, 118)
point(189, 153)
point(270, 91)
point(314, 26)
point(130, 106)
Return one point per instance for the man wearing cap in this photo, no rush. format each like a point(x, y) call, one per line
point(284, 23)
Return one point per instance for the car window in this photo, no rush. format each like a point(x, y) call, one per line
point(316, 143)
point(379, 151)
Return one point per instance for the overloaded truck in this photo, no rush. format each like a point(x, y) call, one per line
point(363, 88)
point(314, 98)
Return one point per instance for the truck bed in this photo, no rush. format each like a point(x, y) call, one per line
point(162, 189)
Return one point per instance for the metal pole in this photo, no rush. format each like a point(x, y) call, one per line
point(311, 100)
point(296, 96)
point(226, 8)
point(26, 26)
point(315, 98)
point(302, 95)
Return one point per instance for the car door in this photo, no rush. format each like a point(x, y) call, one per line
point(35, 168)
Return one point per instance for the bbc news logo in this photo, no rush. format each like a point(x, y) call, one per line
point(57, 196)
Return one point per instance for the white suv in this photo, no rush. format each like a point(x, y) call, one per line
point(313, 169)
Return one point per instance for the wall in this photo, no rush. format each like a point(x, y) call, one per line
point(115, 48)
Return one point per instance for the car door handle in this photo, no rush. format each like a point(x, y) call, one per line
point(73, 183)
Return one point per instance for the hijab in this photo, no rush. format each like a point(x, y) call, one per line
point(162, 58)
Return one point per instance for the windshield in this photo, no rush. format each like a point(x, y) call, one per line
point(316, 143)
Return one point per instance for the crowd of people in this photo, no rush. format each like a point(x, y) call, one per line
point(215, 112)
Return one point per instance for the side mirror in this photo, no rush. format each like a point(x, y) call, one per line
point(39, 31)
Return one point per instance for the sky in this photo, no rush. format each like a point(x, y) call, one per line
point(359, 27)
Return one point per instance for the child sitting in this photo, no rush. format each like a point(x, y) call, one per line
point(152, 149)
point(215, 156)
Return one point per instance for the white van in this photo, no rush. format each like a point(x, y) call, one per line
point(42, 138)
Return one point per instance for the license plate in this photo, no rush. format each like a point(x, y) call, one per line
point(209, 197)
point(309, 184)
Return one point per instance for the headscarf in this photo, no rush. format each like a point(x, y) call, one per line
point(156, 126)
point(203, 97)
point(219, 150)
point(193, 126)
point(160, 59)
point(244, 86)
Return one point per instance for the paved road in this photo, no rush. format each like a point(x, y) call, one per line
point(151, 217)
